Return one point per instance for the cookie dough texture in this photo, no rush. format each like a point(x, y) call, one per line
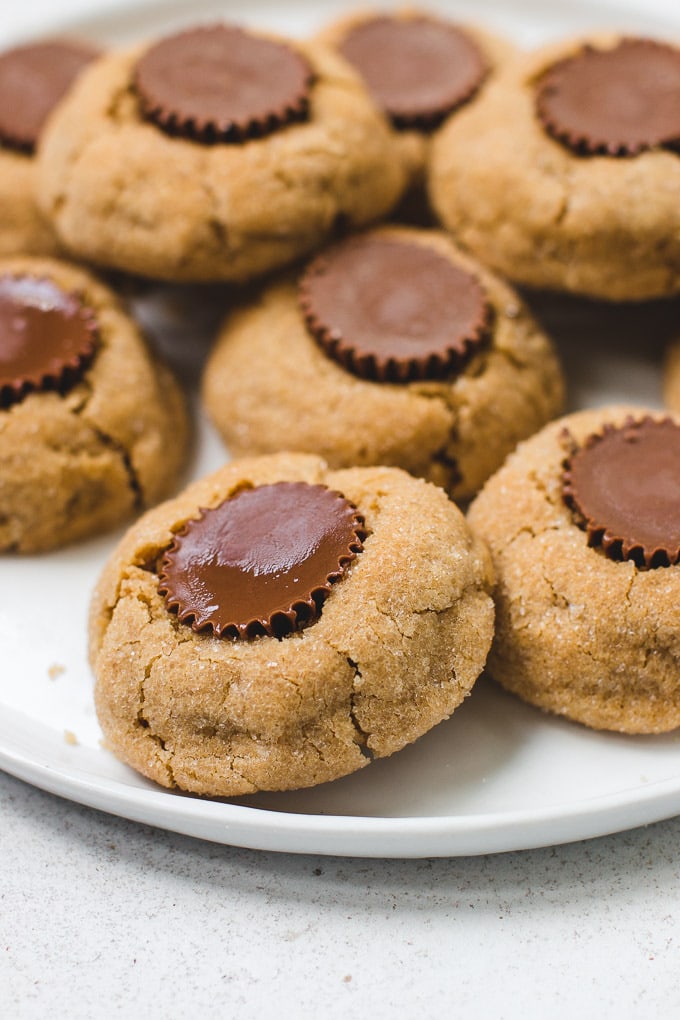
point(23, 228)
point(414, 145)
point(122, 193)
point(399, 643)
point(528, 207)
point(581, 635)
point(671, 377)
point(76, 464)
point(269, 386)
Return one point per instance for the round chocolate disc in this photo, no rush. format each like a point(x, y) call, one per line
point(221, 84)
point(624, 487)
point(418, 70)
point(263, 561)
point(32, 81)
point(393, 310)
point(47, 337)
point(616, 102)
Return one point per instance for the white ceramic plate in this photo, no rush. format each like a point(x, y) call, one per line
point(498, 775)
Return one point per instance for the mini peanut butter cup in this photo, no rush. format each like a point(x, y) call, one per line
point(623, 486)
point(393, 310)
point(32, 81)
point(262, 562)
point(48, 337)
point(418, 70)
point(615, 102)
point(221, 84)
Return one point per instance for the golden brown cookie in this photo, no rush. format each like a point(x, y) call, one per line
point(419, 69)
point(157, 169)
point(393, 644)
point(445, 405)
point(92, 427)
point(564, 174)
point(671, 377)
point(33, 79)
point(583, 524)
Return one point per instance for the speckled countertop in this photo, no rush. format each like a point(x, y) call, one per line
point(100, 917)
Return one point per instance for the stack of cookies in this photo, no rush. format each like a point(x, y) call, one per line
point(371, 196)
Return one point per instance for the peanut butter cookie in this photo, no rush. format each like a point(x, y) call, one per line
point(393, 348)
point(583, 523)
point(215, 154)
point(419, 69)
point(92, 427)
point(564, 173)
point(33, 79)
point(280, 624)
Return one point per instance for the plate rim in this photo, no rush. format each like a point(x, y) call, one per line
point(342, 835)
point(395, 836)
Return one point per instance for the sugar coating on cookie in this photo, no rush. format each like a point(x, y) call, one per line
point(582, 526)
point(430, 364)
point(397, 644)
point(562, 174)
point(92, 427)
point(33, 79)
point(134, 175)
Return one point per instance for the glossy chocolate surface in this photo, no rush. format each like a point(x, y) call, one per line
point(624, 486)
point(263, 561)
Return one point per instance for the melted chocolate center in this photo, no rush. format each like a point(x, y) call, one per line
point(393, 310)
point(32, 81)
point(418, 70)
point(616, 102)
point(624, 486)
point(263, 561)
point(221, 84)
point(47, 337)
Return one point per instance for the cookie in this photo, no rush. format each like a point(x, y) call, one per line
point(162, 164)
point(392, 348)
point(671, 377)
point(564, 174)
point(92, 427)
point(419, 69)
point(33, 79)
point(583, 526)
point(280, 624)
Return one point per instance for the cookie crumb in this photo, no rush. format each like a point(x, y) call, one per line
point(55, 670)
point(70, 738)
point(348, 977)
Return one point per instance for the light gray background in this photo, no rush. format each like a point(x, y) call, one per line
point(100, 917)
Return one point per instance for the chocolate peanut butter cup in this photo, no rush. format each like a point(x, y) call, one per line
point(48, 337)
point(222, 84)
point(393, 310)
point(263, 561)
point(418, 69)
point(616, 102)
point(32, 81)
point(623, 486)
